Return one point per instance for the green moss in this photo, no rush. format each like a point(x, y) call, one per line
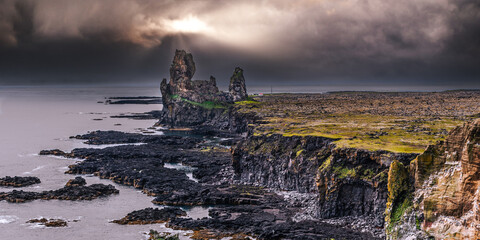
point(344, 172)
point(206, 104)
point(382, 176)
point(417, 223)
point(399, 198)
point(399, 210)
point(367, 174)
point(246, 102)
point(299, 152)
point(402, 134)
point(326, 164)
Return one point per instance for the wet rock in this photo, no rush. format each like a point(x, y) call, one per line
point(72, 193)
point(140, 116)
point(18, 181)
point(54, 152)
point(154, 235)
point(264, 223)
point(151, 215)
point(76, 182)
point(134, 100)
point(49, 222)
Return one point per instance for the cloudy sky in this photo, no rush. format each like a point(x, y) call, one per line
point(301, 42)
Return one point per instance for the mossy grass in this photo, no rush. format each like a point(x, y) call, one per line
point(207, 104)
point(399, 199)
point(368, 132)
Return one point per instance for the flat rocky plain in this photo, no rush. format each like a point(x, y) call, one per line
point(394, 121)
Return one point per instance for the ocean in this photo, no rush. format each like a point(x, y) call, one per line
point(34, 119)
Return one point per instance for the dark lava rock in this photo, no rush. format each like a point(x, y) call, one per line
point(116, 137)
point(151, 215)
point(141, 116)
point(49, 222)
point(134, 100)
point(238, 209)
point(237, 87)
point(66, 193)
point(265, 223)
point(193, 103)
point(76, 182)
point(18, 181)
point(54, 152)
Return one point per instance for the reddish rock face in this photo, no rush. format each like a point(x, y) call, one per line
point(447, 178)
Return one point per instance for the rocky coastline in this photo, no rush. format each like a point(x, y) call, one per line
point(265, 183)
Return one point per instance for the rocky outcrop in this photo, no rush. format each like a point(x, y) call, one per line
point(151, 216)
point(192, 103)
point(70, 192)
point(237, 88)
point(442, 199)
point(49, 222)
point(345, 182)
point(18, 181)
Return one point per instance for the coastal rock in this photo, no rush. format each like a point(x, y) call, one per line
point(194, 103)
point(54, 152)
point(18, 181)
point(442, 198)
point(151, 215)
point(237, 88)
point(49, 222)
point(263, 222)
point(76, 182)
point(341, 182)
point(71, 193)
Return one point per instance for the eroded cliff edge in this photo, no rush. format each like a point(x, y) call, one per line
point(199, 103)
point(436, 195)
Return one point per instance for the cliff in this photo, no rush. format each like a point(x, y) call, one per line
point(188, 102)
point(438, 192)
point(336, 182)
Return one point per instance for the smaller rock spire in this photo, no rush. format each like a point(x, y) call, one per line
point(237, 88)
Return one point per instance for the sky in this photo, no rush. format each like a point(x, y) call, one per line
point(276, 42)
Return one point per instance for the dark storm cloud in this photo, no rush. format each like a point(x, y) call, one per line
point(319, 42)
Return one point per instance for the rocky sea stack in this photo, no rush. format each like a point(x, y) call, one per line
point(190, 102)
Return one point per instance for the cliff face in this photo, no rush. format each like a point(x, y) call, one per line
point(443, 189)
point(188, 102)
point(345, 182)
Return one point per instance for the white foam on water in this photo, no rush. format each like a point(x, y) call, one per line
point(38, 168)
point(27, 155)
point(197, 212)
point(5, 219)
point(190, 176)
point(178, 166)
point(102, 146)
point(65, 158)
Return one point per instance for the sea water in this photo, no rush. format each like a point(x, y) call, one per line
point(34, 119)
